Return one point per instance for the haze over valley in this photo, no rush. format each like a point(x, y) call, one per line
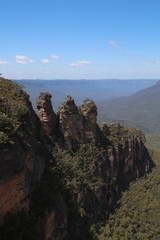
point(98, 90)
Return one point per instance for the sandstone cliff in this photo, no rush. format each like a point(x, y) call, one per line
point(21, 163)
point(76, 125)
point(81, 167)
point(124, 158)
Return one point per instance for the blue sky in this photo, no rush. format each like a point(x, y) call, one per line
point(75, 39)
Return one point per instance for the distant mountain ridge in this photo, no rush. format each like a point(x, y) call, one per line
point(98, 90)
point(142, 109)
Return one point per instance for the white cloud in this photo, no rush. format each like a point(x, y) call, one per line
point(80, 63)
point(54, 56)
point(23, 59)
point(45, 60)
point(2, 62)
point(113, 43)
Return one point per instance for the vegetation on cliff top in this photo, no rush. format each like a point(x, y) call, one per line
point(13, 106)
point(119, 133)
point(18, 121)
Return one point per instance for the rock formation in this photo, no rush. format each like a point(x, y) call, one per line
point(78, 124)
point(70, 123)
point(128, 151)
point(120, 155)
point(104, 128)
point(89, 111)
point(45, 112)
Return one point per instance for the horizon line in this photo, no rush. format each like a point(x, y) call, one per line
point(85, 79)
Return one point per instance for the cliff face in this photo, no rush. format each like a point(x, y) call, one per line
point(87, 165)
point(21, 163)
point(78, 125)
point(128, 151)
point(54, 225)
point(124, 158)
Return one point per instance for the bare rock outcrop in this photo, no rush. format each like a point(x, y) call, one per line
point(89, 111)
point(70, 123)
point(45, 112)
point(77, 124)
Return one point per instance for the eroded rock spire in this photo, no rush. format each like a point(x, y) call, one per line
point(45, 112)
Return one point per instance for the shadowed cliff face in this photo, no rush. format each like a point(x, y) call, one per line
point(21, 164)
point(128, 151)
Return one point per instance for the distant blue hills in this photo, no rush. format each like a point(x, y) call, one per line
point(98, 90)
point(141, 109)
